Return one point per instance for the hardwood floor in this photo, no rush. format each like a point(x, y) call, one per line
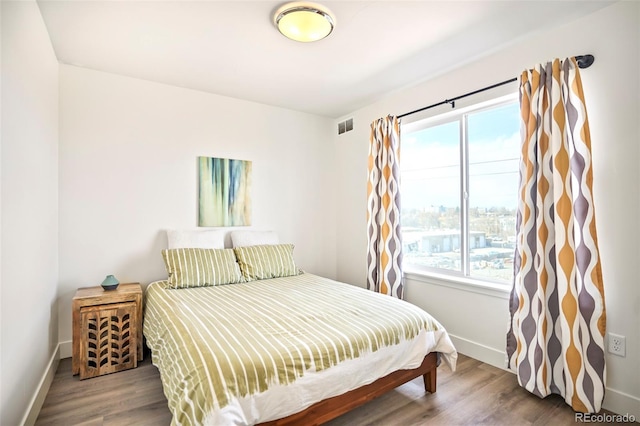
point(476, 394)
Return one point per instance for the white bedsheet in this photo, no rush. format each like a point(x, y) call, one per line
point(281, 401)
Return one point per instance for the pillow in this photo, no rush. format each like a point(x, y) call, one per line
point(266, 261)
point(198, 267)
point(209, 238)
point(253, 238)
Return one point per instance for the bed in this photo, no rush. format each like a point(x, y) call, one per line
point(252, 344)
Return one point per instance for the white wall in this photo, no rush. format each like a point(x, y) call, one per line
point(29, 167)
point(128, 157)
point(477, 320)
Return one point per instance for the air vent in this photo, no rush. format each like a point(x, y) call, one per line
point(345, 126)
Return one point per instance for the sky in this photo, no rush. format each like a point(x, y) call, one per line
point(430, 161)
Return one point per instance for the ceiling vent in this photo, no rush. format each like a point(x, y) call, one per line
point(345, 126)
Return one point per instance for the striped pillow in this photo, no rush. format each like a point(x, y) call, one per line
point(266, 261)
point(198, 267)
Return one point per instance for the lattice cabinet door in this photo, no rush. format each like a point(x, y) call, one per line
point(108, 339)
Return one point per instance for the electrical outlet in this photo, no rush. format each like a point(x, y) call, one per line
point(617, 344)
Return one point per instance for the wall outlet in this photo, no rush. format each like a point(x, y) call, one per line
point(617, 344)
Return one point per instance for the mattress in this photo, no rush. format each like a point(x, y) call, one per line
point(262, 350)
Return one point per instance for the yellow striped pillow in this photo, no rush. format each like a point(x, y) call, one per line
point(266, 261)
point(198, 267)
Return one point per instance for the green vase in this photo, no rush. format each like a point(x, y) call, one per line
point(110, 283)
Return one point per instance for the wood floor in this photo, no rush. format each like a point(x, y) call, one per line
point(476, 394)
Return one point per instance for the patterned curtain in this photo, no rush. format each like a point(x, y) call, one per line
point(555, 343)
point(384, 257)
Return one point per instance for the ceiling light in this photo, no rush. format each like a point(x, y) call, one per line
point(304, 21)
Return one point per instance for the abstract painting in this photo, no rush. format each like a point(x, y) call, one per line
point(224, 192)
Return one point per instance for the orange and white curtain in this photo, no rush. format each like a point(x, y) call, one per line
point(555, 342)
point(384, 258)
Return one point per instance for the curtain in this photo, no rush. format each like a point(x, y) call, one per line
point(384, 258)
point(555, 342)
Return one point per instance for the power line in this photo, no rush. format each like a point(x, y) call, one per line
point(458, 165)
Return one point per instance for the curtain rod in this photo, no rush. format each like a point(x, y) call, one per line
point(584, 61)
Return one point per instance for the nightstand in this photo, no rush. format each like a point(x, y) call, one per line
point(107, 330)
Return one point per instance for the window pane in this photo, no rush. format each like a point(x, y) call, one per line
point(494, 151)
point(430, 161)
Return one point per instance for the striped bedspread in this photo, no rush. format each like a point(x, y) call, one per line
point(223, 350)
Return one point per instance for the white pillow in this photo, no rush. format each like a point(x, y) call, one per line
point(253, 238)
point(207, 239)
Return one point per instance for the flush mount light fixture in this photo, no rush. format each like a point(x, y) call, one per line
point(304, 21)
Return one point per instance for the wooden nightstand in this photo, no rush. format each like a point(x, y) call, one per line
point(107, 330)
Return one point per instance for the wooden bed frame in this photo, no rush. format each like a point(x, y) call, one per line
point(331, 408)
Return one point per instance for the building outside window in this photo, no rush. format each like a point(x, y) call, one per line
point(459, 185)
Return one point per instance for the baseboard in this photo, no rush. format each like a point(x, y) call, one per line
point(621, 403)
point(65, 349)
point(38, 398)
point(479, 351)
point(614, 400)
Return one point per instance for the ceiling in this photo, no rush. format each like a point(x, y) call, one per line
point(231, 48)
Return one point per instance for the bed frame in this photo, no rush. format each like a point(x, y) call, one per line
point(331, 408)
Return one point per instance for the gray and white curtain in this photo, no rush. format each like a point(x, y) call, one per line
point(555, 343)
point(384, 258)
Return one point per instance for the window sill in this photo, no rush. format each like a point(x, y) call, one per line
point(487, 288)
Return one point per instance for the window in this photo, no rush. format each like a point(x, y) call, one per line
point(459, 191)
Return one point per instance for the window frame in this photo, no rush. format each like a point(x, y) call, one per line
point(440, 275)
